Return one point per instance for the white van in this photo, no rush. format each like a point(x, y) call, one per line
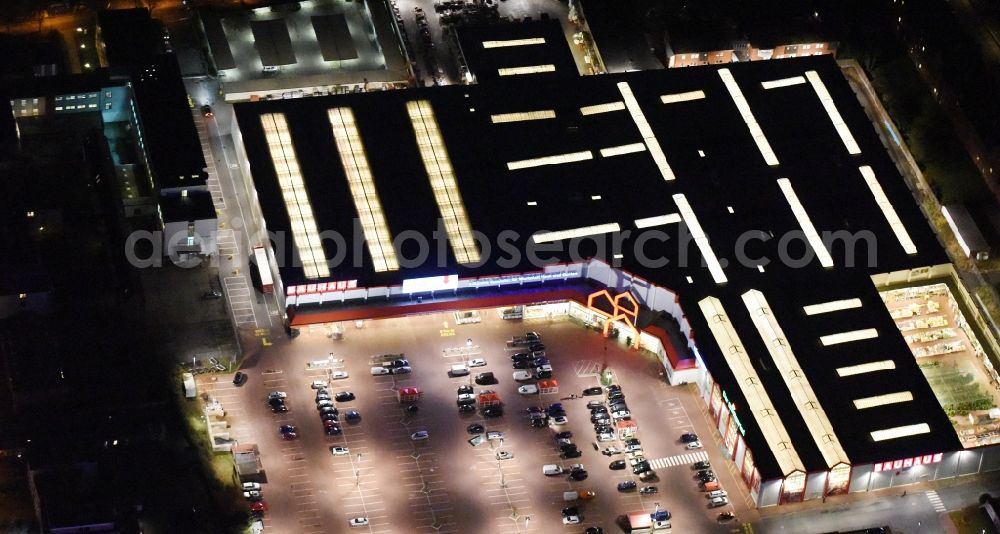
point(551, 469)
point(570, 496)
point(717, 493)
point(458, 370)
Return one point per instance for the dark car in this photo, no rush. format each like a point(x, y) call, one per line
point(465, 402)
point(567, 447)
point(523, 364)
point(706, 475)
point(564, 435)
point(578, 475)
point(573, 453)
point(540, 423)
point(537, 346)
point(617, 464)
point(206, 111)
point(353, 416)
point(485, 379)
point(239, 379)
point(285, 429)
point(641, 467)
point(689, 437)
point(492, 411)
point(592, 391)
point(628, 485)
point(329, 417)
point(323, 396)
point(594, 530)
point(619, 407)
point(704, 464)
point(279, 408)
point(543, 374)
point(344, 396)
point(572, 510)
point(465, 389)
point(614, 387)
point(521, 357)
point(632, 441)
point(276, 401)
point(602, 428)
point(556, 413)
point(598, 409)
point(616, 396)
point(475, 428)
point(398, 363)
point(329, 409)
point(333, 430)
point(467, 408)
point(600, 419)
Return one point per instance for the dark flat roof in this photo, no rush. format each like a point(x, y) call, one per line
point(334, 37)
point(732, 173)
point(197, 205)
point(130, 36)
point(617, 30)
point(485, 63)
point(272, 42)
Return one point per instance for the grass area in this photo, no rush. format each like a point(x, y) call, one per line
point(971, 520)
point(17, 512)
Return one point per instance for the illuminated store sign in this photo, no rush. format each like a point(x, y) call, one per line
point(523, 278)
point(323, 287)
point(908, 462)
point(732, 410)
point(431, 283)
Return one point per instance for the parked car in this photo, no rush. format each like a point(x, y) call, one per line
point(628, 485)
point(592, 391)
point(401, 370)
point(275, 401)
point(239, 378)
point(475, 428)
point(504, 455)
point(641, 467)
point(206, 111)
point(536, 347)
point(478, 362)
point(611, 451)
point(332, 430)
point(289, 436)
point(286, 428)
point(358, 521)
point(578, 475)
point(521, 357)
point(649, 490)
point(571, 520)
point(572, 510)
point(467, 408)
point(551, 469)
point(621, 415)
point(252, 495)
point(340, 451)
point(542, 374)
point(318, 384)
point(344, 396)
point(693, 445)
point(458, 370)
point(598, 409)
point(353, 416)
point(704, 464)
point(279, 408)
point(485, 379)
point(605, 437)
point(277, 395)
point(716, 493)
point(689, 437)
point(329, 417)
point(572, 453)
point(465, 389)
point(378, 371)
point(466, 398)
point(522, 375)
point(528, 389)
point(617, 464)
point(324, 404)
point(718, 501)
point(540, 423)
point(338, 375)
point(603, 428)
point(251, 486)
point(560, 420)
point(523, 364)
point(323, 396)
point(399, 363)
point(419, 435)
point(492, 411)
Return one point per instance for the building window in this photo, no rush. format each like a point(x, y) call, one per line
point(59, 108)
point(806, 47)
point(107, 105)
point(683, 56)
point(107, 94)
point(92, 106)
point(819, 45)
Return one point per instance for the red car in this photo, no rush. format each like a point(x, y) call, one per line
point(259, 506)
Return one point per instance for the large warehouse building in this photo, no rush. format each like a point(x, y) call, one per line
point(776, 256)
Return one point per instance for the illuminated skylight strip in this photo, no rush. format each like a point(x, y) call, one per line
point(548, 237)
point(805, 223)
point(434, 154)
point(812, 411)
point(888, 210)
point(514, 42)
point(847, 337)
point(571, 157)
point(645, 131)
point(531, 69)
point(523, 116)
point(354, 158)
point(305, 235)
point(748, 118)
point(882, 400)
point(871, 367)
point(659, 220)
point(831, 110)
point(602, 108)
point(682, 97)
point(758, 401)
point(621, 150)
point(700, 239)
point(901, 432)
point(784, 82)
point(832, 306)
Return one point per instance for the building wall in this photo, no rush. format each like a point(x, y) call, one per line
point(729, 55)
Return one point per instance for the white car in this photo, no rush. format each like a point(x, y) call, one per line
point(377, 371)
point(717, 493)
point(504, 455)
point(359, 521)
point(630, 447)
point(251, 486)
point(494, 435)
point(337, 375)
point(318, 384)
point(252, 495)
point(571, 520)
point(694, 445)
point(528, 389)
point(522, 375)
point(718, 501)
point(560, 420)
point(277, 395)
point(478, 362)
point(419, 435)
point(340, 451)
point(551, 469)
point(605, 436)
point(624, 414)
point(466, 397)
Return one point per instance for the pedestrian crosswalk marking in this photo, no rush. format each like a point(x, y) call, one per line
point(680, 459)
point(935, 500)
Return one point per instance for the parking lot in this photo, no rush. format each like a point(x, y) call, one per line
point(442, 483)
